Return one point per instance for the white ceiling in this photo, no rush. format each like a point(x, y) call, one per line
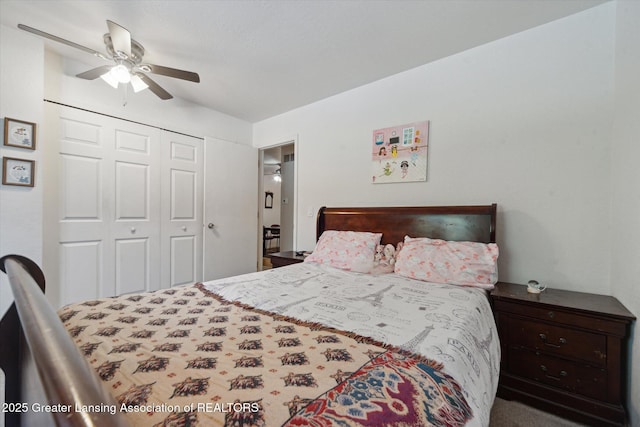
point(257, 59)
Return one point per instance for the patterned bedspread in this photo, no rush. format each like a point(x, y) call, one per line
point(191, 356)
point(452, 325)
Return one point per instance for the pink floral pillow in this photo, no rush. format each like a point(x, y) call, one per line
point(456, 263)
point(347, 250)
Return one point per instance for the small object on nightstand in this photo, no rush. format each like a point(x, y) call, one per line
point(534, 287)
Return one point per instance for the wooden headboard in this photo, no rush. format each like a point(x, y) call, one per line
point(458, 223)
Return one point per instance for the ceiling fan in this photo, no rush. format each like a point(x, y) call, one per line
point(126, 55)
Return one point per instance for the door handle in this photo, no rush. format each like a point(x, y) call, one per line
point(210, 225)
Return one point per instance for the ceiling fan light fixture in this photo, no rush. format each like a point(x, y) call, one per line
point(112, 81)
point(121, 73)
point(138, 84)
point(127, 55)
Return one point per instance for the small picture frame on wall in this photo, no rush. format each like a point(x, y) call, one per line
point(268, 200)
point(19, 172)
point(18, 133)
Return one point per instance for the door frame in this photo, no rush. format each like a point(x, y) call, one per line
point(285, 141)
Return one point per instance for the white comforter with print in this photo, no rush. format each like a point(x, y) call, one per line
point(450, 324)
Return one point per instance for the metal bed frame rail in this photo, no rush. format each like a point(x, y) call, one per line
point(69, 383)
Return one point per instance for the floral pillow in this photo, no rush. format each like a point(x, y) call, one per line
point(456, 263)
point(347, 250)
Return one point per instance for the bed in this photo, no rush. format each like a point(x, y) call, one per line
point(306, 344)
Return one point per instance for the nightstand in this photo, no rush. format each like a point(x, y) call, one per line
point(563, 352)
point(280, 259)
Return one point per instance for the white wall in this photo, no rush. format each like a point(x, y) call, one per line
point(545, 123)
point(524, 122)
point(21, 86)
point(625, 153)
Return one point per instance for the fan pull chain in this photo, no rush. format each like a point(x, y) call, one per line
point(125, 92)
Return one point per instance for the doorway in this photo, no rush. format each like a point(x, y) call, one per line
point(278, 200)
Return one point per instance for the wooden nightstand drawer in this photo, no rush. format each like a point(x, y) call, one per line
point(571, 376)
point(558, 340)
point(555, 315)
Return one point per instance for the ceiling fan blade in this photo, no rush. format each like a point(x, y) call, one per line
point(172, 72)
point(155, 87)
point(120, 37)
point(95, 73)
point(63, 41)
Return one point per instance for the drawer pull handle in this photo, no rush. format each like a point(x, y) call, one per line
point(551, 314)
point(561, 341)
point(551, 377)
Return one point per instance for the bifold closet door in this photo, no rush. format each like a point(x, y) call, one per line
point(129, 204)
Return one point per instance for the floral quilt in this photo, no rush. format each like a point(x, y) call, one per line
point(187, 356)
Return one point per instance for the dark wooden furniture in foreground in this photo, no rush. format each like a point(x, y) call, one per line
point(563, 352)
point(280, 259)
point(459, 223)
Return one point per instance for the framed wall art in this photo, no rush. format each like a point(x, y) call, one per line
point(268, 199)
point(399, 153)
point(19, 172)
point(18, 133)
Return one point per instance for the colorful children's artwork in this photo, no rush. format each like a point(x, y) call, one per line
point(400, 153)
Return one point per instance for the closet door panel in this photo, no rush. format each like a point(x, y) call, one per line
point(132, 192)
point(81, 193)
point(81, 267)
point(183, 195)
point(136, 207)
point(183, 260)
point(132, 265)
point(182, 210)
point(84, 244)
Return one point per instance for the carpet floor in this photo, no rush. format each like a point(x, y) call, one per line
point(507, 413)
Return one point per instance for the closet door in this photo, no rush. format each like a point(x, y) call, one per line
point(109, 206)
point(181, 209)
